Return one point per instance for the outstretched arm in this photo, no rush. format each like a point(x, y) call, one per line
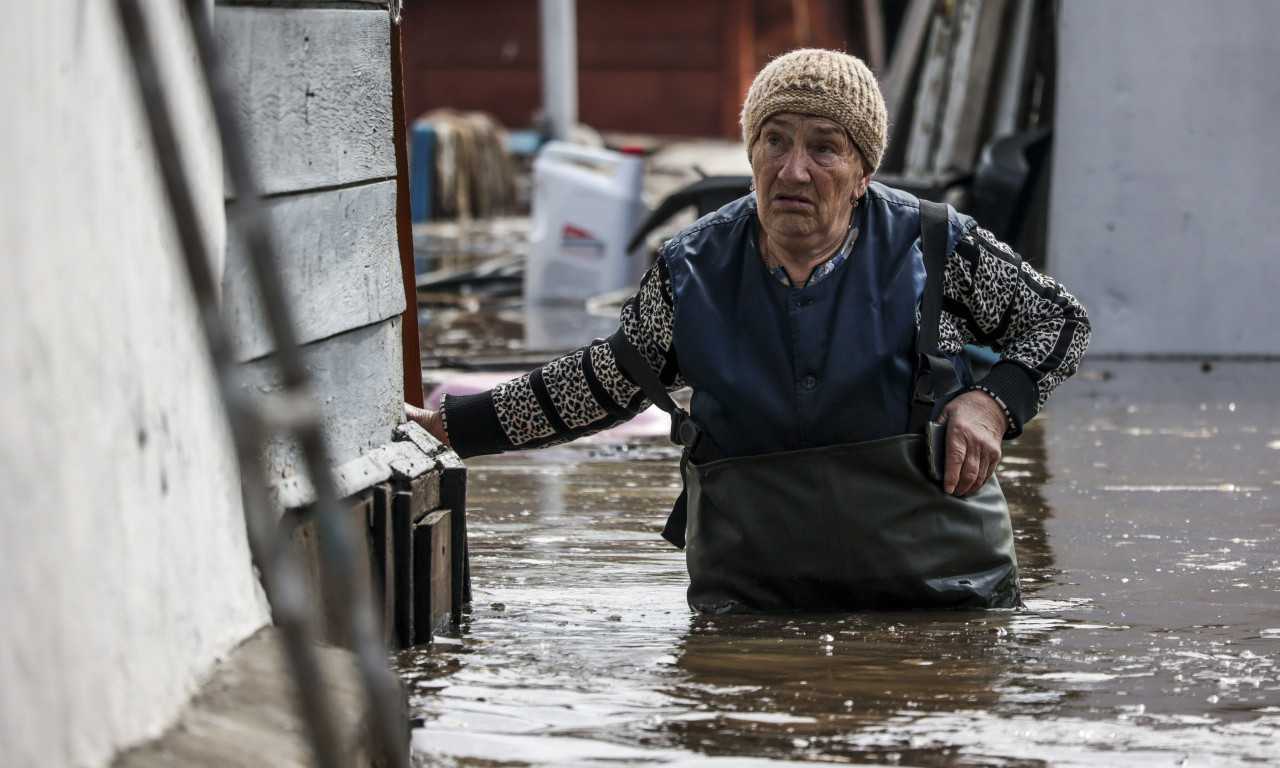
point(579, 394)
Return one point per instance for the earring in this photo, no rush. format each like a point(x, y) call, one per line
point(753, 187)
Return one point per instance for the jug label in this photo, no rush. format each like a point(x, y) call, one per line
point(578, 242)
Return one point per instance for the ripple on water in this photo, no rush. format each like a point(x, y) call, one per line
point(579, 649)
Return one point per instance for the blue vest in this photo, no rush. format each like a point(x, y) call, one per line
point(774, 368)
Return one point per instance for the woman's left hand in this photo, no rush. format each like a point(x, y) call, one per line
point(975, 432)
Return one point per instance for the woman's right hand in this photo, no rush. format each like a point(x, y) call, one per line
point(432, 421)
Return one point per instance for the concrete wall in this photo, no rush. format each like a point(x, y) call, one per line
point(1164, 182)
point(124, 572)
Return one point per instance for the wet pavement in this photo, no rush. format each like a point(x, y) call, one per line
point(1145, 505)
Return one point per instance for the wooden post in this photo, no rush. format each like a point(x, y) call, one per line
point(412, 351)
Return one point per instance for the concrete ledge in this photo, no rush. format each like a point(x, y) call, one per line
point(412, 453)
point(246, 714)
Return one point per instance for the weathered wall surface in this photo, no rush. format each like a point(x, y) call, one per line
point(1164, 178)
point(124, 571)
point(314, 87)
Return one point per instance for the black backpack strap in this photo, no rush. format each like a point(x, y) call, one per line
point(934, 372)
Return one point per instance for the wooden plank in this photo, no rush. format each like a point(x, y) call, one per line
point(432, 588)
point(1008, 104)
point(359, 511)
point(350, 478)
point(326, 619)
point(411, 432)
point(905, 61)
point(301, 530)
point(407, 461)
point(383, 561)
point(453, 496)
point(357, 380)
point(313, 91)
point(339, 258)
point(402, 545)
point(929, 100)
point(972, 85)
point(871, 29)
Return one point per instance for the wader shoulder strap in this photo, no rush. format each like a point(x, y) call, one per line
point(685, 432)
point(934, 373)
point(933, 244)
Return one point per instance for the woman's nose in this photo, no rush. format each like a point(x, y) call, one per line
point(795, 166)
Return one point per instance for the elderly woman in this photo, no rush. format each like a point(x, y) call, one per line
point(804, 319)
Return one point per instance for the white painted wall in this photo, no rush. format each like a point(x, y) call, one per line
point(1165, 194)
point(124, 572)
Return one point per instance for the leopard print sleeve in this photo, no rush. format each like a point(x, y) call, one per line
point(579, 394)
point(992, 298)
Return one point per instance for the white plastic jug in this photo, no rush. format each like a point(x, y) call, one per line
point(586, 205)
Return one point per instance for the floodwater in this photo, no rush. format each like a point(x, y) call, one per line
point(1145, 505)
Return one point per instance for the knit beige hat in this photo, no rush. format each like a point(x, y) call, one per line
point(829, 84)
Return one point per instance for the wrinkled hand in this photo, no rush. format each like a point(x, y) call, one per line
point(975, 430)
point(431, 421)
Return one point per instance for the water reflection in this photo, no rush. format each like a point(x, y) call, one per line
point(789, 685)
point(1024, 471)
point(1150, 636)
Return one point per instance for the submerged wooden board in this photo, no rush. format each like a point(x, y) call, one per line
point(432, 575)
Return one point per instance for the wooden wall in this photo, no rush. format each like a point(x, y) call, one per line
point(315, 92)
point(666, 67)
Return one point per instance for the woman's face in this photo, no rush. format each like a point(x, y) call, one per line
point(807, 173)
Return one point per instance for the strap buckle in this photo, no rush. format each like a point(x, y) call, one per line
point(685, 431)
point(924, 394)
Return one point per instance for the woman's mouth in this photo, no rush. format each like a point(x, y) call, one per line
point(793, 202)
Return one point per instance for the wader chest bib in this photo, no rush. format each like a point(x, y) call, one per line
point(841, 527)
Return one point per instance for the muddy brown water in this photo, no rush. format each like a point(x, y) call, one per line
point(1145, 505)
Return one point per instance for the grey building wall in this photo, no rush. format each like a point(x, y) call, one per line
point(1165, 188)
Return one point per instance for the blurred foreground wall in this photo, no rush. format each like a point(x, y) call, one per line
point(1165, 184)
point(124, 571)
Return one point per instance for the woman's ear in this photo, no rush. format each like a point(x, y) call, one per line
point(861, 187)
